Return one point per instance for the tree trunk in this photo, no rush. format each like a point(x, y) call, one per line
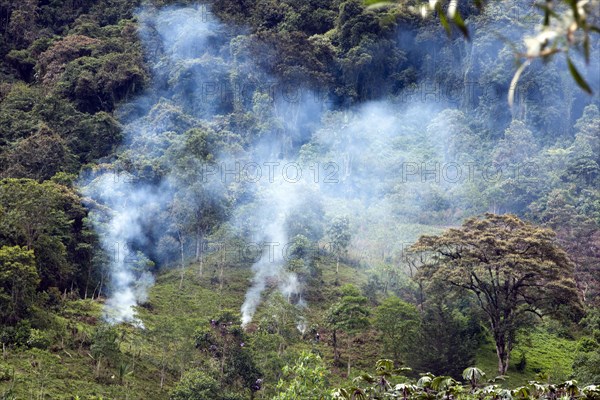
point(96, 290)
point(197, 244)
point(222, 372)
point(182, 260)
point(162, 371)
point(337, 270)
point(201, 263)
point(503, 352)
point(349, 344)
point(503, 357)
point(199, 257)
point(101, 286)
point(133, 361)
point(98, 366)
point(222, 265)
point(336, 354)
point(87, 280)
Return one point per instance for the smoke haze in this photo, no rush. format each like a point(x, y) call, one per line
point(382, 164)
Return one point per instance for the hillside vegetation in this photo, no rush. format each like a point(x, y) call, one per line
point(82, 356)
point(297, 199)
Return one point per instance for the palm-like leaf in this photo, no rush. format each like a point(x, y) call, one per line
point(425, 380)
point(591, 392)
point(522, 393)
point(473, 375)
point(440, 383)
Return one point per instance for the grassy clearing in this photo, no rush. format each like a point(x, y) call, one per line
point(547, 357)
point(164, 349)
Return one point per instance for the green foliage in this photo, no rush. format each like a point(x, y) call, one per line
point(544, 354)
point(105, 345)
point(339, 236)
point(16, 113)
point(501, 257)
point(587, 357)
point(279, 317)
point(44, 134)
point(18, 282)
point(302, 260)
point(556, 32)
point(473, 375)
point(447, 339)
point(307, 378)
point(98, 84)
point(223, 339)
point(6, 373)
point(38, 339)
point(431, 386)
point(41, 217)
point(307, 219)
point(348, 315)
point(399, 323)
point(195, 385)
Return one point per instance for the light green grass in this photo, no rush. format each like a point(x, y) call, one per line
point(166, 346)
point(544, 353)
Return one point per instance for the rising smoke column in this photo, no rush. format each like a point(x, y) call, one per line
point(190, 53)
point(183, 39)
point(129, 205)
point(121, 205)
point(276, 200)
point(187, 51)
point(271, 261)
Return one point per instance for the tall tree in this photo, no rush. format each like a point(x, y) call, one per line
point(37, 216)
point(398, 323)
point(105, 346)
point(448, 339)
point(512, 268)
point(18, 282)
point(202, 201)
point(339, 235)
point(349, 315)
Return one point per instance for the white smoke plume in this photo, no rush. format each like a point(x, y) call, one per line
point(360, 153)
point(121, 204)
point(276, 201)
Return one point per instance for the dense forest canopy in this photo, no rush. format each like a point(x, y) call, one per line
point(261, 199)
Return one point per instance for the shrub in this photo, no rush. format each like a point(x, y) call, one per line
point(6, 373)
point(195, 385)
point(522, 363)
point(38, 339)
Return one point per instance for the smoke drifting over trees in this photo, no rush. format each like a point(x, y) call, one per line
point(217, 134)
point(195, 195)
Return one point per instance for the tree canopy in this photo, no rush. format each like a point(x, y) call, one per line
point(513, 269)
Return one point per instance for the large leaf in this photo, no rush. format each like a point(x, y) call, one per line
point(443, 18)
point(578, 78)
point(384, 367)
point(473, 374)
point(460, 24)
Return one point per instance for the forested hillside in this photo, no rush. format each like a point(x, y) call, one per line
point(307, 199)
